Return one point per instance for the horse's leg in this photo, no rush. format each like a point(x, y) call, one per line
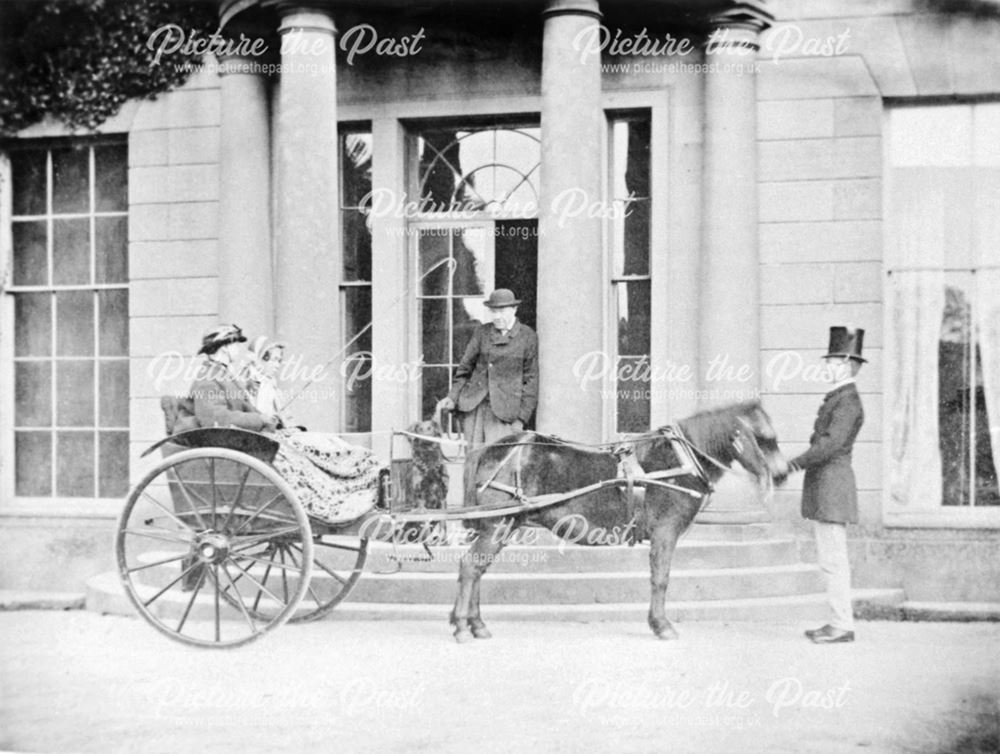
point(661, 552)
point(497, 539)
point(465, 615)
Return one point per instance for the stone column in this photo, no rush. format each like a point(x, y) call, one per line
point(730, 262)
point(308, 264)
point(246, 282)
point(571, 270)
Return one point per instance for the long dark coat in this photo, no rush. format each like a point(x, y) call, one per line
point(503, 367)
point(829, 492)
point(218, 400)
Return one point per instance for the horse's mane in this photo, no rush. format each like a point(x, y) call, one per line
point(711, 431)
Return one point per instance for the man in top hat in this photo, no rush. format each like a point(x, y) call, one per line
point(829, 492)
point(496, 383)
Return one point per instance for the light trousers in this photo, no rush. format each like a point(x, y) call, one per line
point(831, 548)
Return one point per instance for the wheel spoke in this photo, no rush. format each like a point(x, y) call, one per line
point(160, 537)
point(239, 601)
point(236, 499)
point(285, 566)
point(257, 583)
point(218, 595)
point(309, 588)
point(241, 543)
point(190, 604)
point(260, 510)
point(326, 568)
point(215, 492)
point(284, 573)
point(160, 593)
point(157, 563)
point(188, 495)
point(169, 512)
point(338, 546)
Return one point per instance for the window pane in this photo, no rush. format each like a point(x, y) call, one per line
point(357, 316)
point(70, 179)
point(356, 164)
point(114, 388)
point(75, 393)
point(31, 259)
point(469, 252)
point(33, 454)
point(631, 142)
point(954, 399)
point(358, 395)
point(357, 246)
point(28, 175)
point(986, 492)
point(75, 464)
point(633, 318)
point(111, 249)
point(467, 315)
point(435, 384)
point(33, 324)
point(70, 252)
point(633, 393)
point(434, 331)
point(74, 323)
point(113, 322)
point(33, 393)
point(433, 249)
point(636, 240)
point(113, 472)
point(111, 181)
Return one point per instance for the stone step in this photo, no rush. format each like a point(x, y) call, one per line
point(689, 554)
point(550, 587)
point(105, 595)
point(594, 586)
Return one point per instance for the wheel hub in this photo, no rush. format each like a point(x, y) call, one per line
point(211, 548)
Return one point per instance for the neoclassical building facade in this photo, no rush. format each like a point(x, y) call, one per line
point(686, 195)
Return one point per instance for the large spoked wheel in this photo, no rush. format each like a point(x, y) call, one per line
point(204, 545)
point(338, 562)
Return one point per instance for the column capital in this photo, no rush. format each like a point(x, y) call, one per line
point(740, 24)
point(305, 16)
point(572, 8)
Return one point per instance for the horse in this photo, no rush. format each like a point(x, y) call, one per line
point(529, 465)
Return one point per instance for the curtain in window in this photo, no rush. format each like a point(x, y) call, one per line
point(987, 308)
point(916, 301)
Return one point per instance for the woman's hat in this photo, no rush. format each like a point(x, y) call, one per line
point(846, 343)
point(261, 346)
point(500, 298)
point(220, 336)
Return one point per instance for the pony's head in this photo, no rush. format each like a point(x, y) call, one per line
point(755, 444)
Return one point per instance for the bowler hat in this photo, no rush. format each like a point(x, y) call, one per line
point(500, 298)
point(846, 343)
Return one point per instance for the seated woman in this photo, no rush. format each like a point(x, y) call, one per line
point(334, 480)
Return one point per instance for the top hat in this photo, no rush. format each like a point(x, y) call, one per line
point(846, 343)
point(219, 336)
point(501, 298)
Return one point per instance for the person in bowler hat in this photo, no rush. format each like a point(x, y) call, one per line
point(829, 491)
point(496, 382)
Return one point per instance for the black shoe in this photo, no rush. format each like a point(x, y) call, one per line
point(817, 631)
point(831, 635)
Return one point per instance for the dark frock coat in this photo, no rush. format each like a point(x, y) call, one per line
point(829, 492)
point(503, 367)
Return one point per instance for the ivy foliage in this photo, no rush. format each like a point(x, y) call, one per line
point(80, 60)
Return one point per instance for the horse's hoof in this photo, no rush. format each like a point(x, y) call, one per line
point(667, 634)
point(463, 635)
point(481, 632)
